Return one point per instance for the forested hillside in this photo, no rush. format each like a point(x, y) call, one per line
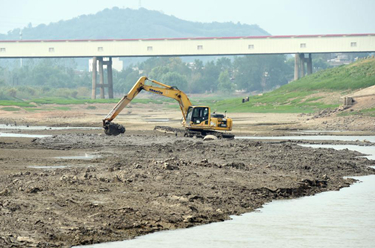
point(129, 23)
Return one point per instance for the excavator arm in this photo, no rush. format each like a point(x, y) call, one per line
point(162, 89)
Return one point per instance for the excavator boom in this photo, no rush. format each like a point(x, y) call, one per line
point(161, 89)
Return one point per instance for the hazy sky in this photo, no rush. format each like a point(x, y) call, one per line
point(278, 17)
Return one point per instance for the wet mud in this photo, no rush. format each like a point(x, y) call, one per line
point(139, 183)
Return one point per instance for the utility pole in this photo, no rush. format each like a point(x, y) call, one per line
point(140, 4)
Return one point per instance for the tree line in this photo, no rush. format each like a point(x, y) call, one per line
point(226, 75)
point(255, 73)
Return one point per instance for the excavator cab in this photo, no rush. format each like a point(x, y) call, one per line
point(198, 115)
point(200, 118)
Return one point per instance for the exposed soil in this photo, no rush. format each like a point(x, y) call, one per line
point(147, 181)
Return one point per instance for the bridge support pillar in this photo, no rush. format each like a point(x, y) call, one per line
point(296, 67)
point(309, 65)
point(94, 76)
point(101, 84)
point(302, 64)
point(110, 79)
point(101, 76)
point(299, 65)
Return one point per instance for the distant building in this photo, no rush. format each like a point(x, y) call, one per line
point(341, 59)
point(117, 64)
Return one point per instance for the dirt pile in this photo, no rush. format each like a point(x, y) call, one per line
point(146, 183)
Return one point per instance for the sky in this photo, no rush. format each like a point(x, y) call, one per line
point(278, 17)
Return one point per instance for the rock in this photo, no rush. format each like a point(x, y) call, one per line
point(209, 137)
point(168, 166)
point(25, 239)
point(4, 192)
point(33, 190)
point(116, 179)
point(239, 165)
point(159, 178)
point(138, 166)
point(188, 218)
point(84, 176)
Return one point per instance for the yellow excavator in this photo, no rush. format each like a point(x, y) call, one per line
point(197, 120)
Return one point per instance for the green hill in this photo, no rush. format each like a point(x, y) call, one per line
point(310, 94)
point(129, 23)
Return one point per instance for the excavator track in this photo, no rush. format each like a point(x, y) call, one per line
point(192, 133)
point(203, 133)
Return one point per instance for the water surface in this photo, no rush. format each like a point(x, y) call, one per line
point(312, 137)
point(23, 135)
point(23, 127)
point(84, 157)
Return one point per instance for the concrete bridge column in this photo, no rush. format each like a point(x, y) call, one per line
point(296, 66)
point(302, 64)
point(309, 65)
point(101, 76)
point(94, 76)
point(299, 65)
point(101, 84)
point(109, 77)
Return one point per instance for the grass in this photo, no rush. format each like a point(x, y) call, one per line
point(16, 103)
point(68, 101)
point(363, 112)
point(254, 106)
point(360, 74)
point(10, 109)
point(272, 102)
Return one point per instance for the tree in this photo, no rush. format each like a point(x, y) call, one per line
point(158, 72)
point(210, 77)
point(225, 85)
point(224, 63)
point(261, 72)
point(175, 79)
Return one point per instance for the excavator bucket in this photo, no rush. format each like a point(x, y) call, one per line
point(113, 129)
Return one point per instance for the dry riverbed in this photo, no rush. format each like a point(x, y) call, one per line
point(116, 188)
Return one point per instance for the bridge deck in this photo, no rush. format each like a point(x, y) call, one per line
point(188, 46)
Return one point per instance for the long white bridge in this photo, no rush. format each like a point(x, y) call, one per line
point(301, 45)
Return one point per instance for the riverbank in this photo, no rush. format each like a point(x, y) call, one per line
point(96, 188)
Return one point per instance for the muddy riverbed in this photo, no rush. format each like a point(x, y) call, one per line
point(143, 182)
